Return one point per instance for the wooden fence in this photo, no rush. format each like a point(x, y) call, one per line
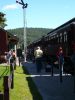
point(8, 82)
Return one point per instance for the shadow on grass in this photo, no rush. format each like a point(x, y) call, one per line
point(25, 70)
point(5, 72)
point(34, 90)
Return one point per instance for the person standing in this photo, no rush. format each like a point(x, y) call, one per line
point(8, 56)
point(60, 61)
point(38, 53)
point(61, 58)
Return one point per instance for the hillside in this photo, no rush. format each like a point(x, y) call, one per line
point(32, 34)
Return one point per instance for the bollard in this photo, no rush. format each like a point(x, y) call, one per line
point(12, 82)
point(52, 69)
point(60, 68)
point(1, 96)
point(6, 88)
point(12, 72)
point(74, 77)
point(14, 65)
point(19, 61)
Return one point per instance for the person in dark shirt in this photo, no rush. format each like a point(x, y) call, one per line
point(61, 58)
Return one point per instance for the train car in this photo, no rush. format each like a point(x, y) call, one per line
point(63, 36)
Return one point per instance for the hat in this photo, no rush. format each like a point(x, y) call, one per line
point(38, 47)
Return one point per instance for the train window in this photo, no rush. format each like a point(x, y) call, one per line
point(49, 38)
point(60, 37)
point(57, 36)
point(54, 36)
point(65, 36)
point(46, 38)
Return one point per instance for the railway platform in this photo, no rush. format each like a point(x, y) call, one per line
point(49, 86)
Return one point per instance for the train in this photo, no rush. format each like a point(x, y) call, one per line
point(63, 36)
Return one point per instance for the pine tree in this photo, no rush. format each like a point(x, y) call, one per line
point(2, 20)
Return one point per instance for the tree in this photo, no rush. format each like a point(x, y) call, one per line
point(2, 20)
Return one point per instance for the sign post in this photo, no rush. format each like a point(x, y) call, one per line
point(24, 5)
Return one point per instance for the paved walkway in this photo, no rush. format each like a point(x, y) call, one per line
point(50, 87)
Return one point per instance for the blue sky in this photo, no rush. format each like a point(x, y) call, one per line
point(39, 13)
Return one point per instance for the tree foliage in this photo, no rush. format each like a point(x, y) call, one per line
point(32, 34)
point(2, 20)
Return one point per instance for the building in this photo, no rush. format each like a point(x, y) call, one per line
point(7, 42)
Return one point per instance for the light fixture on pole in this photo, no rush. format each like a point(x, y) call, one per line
point(24, 5)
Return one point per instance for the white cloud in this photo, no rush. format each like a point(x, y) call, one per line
point(10, 7)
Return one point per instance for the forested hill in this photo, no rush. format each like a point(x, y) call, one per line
point(32, 33)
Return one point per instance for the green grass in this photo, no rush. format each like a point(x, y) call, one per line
point(24, 87)
point(4, 70)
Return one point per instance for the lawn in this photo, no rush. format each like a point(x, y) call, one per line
point(24, 87)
